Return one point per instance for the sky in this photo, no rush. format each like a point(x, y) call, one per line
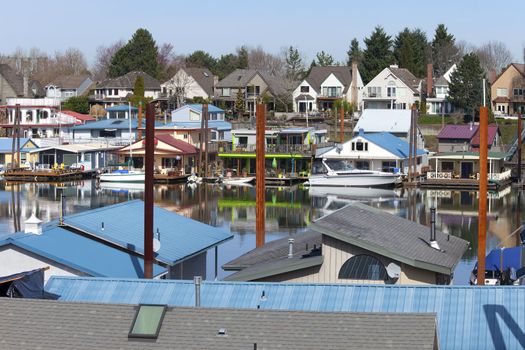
point(220, 27)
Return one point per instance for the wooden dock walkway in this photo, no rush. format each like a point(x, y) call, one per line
point(57, 175)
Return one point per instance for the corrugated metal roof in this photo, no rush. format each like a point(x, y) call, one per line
point(121, 124)
point(392, 144)
point(121, 108)
point(212, 124)
point(198, 107)
point(180, 237)
point(388, 120)
point(464, 131)
point(80, 253)
point(6, 144)
point(469, 317)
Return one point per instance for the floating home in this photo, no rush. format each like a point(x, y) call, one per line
point(6, 147)
point(86, 156)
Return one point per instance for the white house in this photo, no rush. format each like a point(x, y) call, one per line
point(65, 87)
point(377, 151)
point(115, 91)
point(189, 83)
point(438, 104)
point(392, 88)
point(396, 122)
point(324, 85)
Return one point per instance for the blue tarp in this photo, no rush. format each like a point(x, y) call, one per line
point(511, 258)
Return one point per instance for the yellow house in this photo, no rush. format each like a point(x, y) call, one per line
point(26, 145)
point(508, 91)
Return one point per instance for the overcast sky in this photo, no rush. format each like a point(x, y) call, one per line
point(221, 26)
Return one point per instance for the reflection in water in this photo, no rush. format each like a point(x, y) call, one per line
point(288, 210)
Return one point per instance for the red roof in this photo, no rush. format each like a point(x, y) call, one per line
point(185, 147)
point(464, 132)
point(493, 130)
point(81, 118)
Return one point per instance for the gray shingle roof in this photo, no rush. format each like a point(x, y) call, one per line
point(46, 324)
point(406, 77)
point(239, 78)
point(203, 77)
point(13, 79)
point(392, 236)
point(319, 74)
point(70, 81)
point(128, 81)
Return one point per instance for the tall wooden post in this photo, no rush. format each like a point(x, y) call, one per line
point(483, 181)
point(410, 143)
point(342, 127)
point(260, 175)
point(148, 191)
point(139, 122)
point(519, 148)
point(414, 144)
point(206, 130)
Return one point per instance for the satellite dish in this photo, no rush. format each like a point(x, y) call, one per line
point(156, 244)
point(393, 270)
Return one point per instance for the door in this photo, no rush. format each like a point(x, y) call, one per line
point(466, 169)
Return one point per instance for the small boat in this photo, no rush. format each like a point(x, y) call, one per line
point(123, 176)
point(123, 186)
point(331, 172)
point(194, 179)
point(236, 181)
point(503, 266)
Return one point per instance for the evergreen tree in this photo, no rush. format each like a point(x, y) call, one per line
point(466, 85)
point(79, 104)
point(354, 53)
point(377, 55)
point(139, 54)
point(225, 65)
point(201, 59)
point(444, 51)
point(410, 48)
point(294, 64)
point(239, 103)
point(138, 93)
point(324, 59)
point(242, 58)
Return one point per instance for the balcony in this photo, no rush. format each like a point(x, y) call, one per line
point(290, 149)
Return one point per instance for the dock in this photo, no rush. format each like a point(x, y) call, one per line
point(169, 178)
point(462, 184)
point(52, 175)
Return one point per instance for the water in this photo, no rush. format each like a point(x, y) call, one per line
point(288, 210)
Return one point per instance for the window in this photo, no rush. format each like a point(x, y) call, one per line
point(518, 92)
point(226, 92)
point(115, 92)
point(185, 136)
point(388, 166)
point(243, 141)
point(147, 321)
point(362, 164)
point(305, 89)
point(353, 146)
point(391, 91)
point(213, 116)
point(374, 91)
point(109, 91)
point(108, 133)
point(361, 146)
point(447, 166)
point(332, 91)
point(363, 267)
point(214, 135)
point(502, 92)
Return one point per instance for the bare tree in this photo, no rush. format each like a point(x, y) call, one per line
point(71, 62)
point(165, 56)
point(178, 87)
point(103, 58)
point(265, 62)
point(494, 56)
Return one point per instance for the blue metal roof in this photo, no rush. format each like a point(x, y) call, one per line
point(391, 143)
point(121, 108)
point(211, 108)
point(212, 124)
point(6, 144)
point(121, 124)
point(469, 317)
point(80, 253)
point(180, 237)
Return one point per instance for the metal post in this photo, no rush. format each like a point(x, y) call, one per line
point(260, 175)
point(482, 205)
point(139, 122)
point(342, 127)
point(201, 140)
point(148, 191)
point(414, 146)
point(432, 224)
point(519, 147)
point(197, 281)
point(410, 142)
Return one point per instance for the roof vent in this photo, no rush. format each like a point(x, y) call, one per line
point(394, 66)
point(222, 332)
point(433, 243)
point(33, 225)
point(290, 247)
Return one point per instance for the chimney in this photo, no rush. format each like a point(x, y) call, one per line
point(429, 79)
point(290, 248)
point(354, 84)
point(26, 86)
point(197, 281)
point(433, 243)
point(33, 225)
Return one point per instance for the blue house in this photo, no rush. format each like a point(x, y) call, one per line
point(109, 242)
point(121, 112)
point(190, 117)
point(467, 317)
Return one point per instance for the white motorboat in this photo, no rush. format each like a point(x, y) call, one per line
point(194, 179)
point(123, 176)
point(123, 186)
point(236, 181)
point(331, 172)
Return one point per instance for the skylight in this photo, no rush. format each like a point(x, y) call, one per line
point(147, 322)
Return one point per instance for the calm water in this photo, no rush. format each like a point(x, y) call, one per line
point(288, 210)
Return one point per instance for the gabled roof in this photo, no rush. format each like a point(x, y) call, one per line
point(220, 125)
point(184, 147)
point(14, 80)
point(319, 74)
point(384, 120)
point(119, 124)
point(49, 324)
point(180, 237)
point(6, 144)
point(203, 77)
point(240, 78)
point(79, 116)
point(493, 130)
point(127, 81)
point(78, 147)
point(520, 67)
point(80, 253)
point(406, 77)
point(121, 108)
point(441, 81)
point(393, 144)
point(468, 317)
point(463, 132)
point(392, 236)
point(70, 81)
point(198, 107)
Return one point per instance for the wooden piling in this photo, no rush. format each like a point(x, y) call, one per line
point(482, 204)
point(519, 148)
point(260, 175)
point(205, 116)
point(148, 191)
point(139, 122)
point(342, 126)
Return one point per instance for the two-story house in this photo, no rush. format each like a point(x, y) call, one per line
point(190, 117)
point(324, 85)
point(63, 88)
point(508, 91)
point(117, 90)
point(252, 84)
point(438, 103)
point(14, 85)
point(190, 83)
point(392, 88)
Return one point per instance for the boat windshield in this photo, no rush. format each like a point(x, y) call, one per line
point(339, 165)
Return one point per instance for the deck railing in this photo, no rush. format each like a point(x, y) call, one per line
point(432, 175)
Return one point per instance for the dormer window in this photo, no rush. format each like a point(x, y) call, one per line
point(305, 89)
